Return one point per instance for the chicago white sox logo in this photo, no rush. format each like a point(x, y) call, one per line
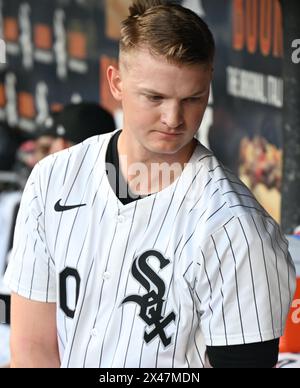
point(153, 302)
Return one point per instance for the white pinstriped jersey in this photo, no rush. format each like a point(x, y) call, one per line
point(151, 283)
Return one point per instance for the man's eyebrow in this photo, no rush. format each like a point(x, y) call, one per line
point(153, 92)
point(200, 93)
point(156, 93)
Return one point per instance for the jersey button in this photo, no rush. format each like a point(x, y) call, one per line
point(121, 219)
point(106, 275)
point(94, 333)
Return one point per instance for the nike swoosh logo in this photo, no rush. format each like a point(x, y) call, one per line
point(60, 208)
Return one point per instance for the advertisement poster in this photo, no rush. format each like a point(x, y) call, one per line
point(54, 53)
point(246, 133)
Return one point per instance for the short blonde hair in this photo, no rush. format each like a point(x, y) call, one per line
point(168, 30)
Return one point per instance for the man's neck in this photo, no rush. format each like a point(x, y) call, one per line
point(156, 171)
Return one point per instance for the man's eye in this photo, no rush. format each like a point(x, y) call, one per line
point(154, 98)
point(193, 99)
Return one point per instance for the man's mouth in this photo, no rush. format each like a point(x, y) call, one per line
point(169, 134)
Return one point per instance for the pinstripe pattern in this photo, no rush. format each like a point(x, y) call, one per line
point(194, 336)
point(222, 292)
point(228, 278)
point(237, 286)
point(80, 312)
point(267, 275)
point(68, 195)
point(252, 281)
point(119, 280)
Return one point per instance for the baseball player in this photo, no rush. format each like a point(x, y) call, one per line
point(138, 248)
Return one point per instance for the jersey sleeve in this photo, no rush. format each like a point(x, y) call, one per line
point(31, 270)
point(245, 282)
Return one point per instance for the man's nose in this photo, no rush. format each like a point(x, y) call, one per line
point(172, 116)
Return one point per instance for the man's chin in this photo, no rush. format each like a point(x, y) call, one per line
point(164, 151)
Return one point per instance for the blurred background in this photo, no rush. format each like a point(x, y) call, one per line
point(57, 52)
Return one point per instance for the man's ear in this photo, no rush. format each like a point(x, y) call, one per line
point(115, 82)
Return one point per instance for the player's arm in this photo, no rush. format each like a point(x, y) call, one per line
point(246, 283)
point(33, 334)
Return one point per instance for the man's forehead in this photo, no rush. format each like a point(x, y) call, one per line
point(166, 83)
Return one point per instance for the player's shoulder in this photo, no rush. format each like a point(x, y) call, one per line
point(225, 196)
